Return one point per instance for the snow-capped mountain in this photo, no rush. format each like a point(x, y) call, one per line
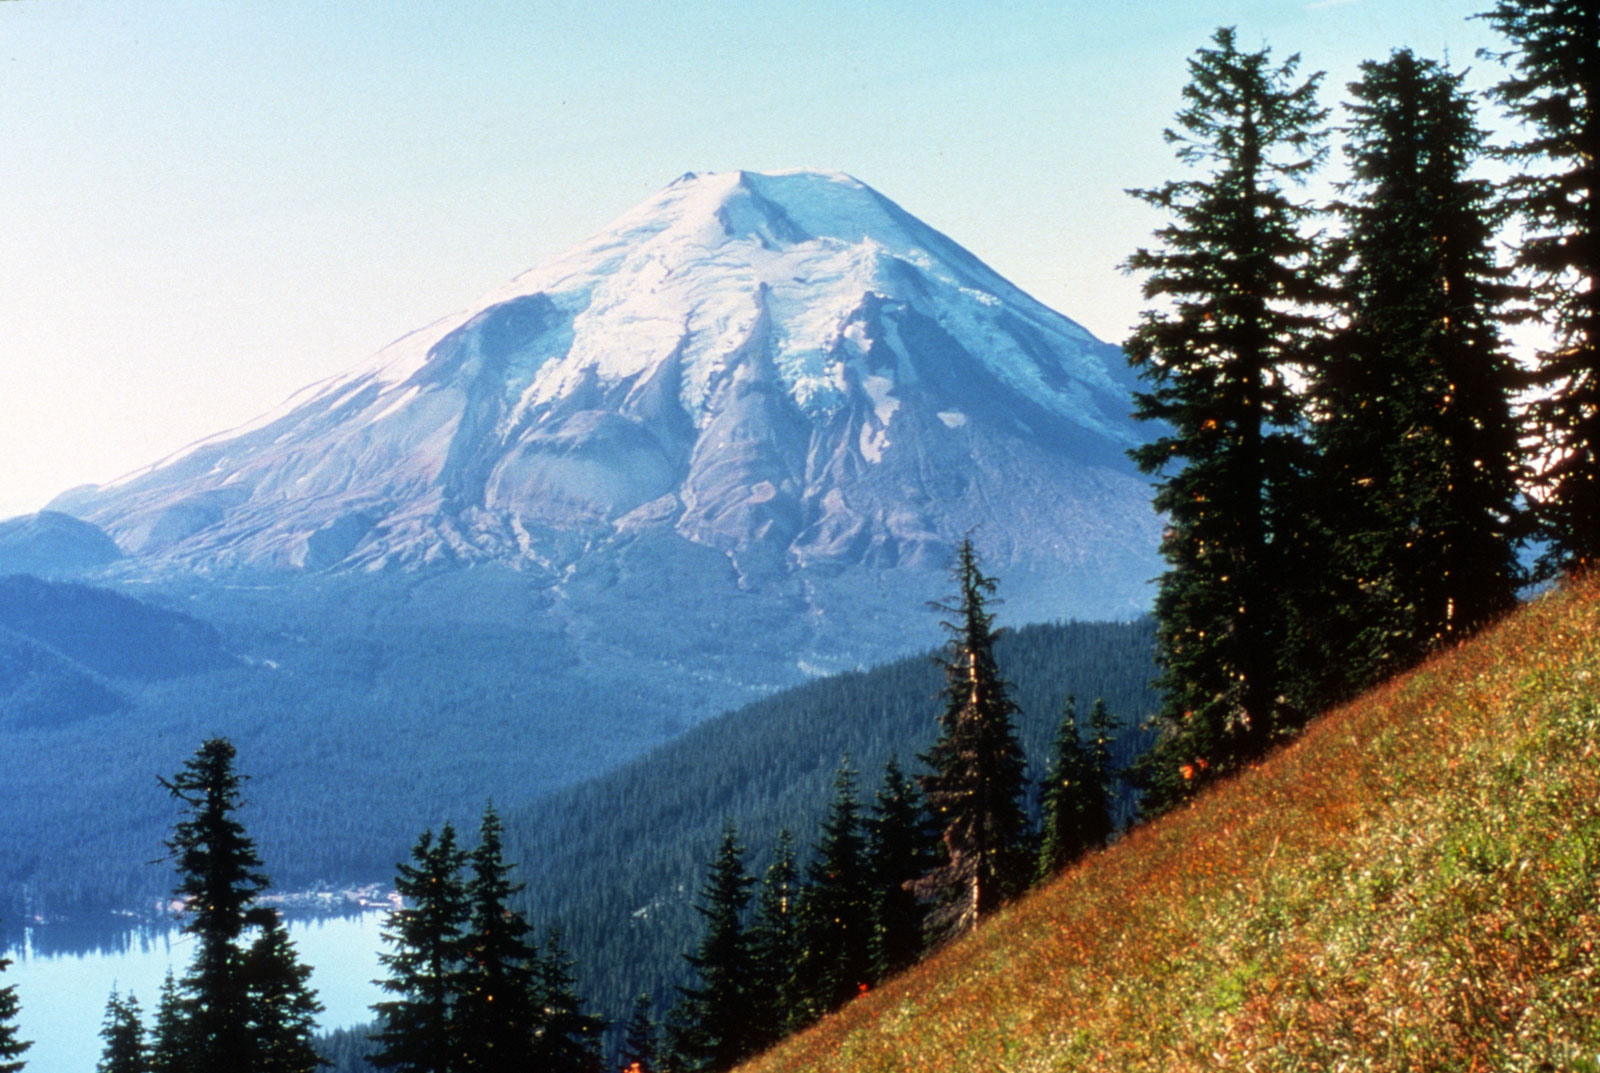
point(787, 369)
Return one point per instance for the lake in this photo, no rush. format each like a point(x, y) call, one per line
point(63, 980)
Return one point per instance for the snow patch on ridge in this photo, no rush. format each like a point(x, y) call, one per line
point(396, 406)
point(875, 439)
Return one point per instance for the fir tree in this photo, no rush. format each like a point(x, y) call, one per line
point(169, 1047)
point(11, 1048)
point(123, 1033)
point(776, 946)
point(283, 1006)
point(496, 1009)
point(1066, 800)
point(566, 1040)
point(900, 849)
point(346, 1050)
point(219, 880)
point(641, 1051)
point(417, 1031)
point(1415, 427)
point(836, 911)
point(712, 1026)
point(1239, 277)
point(1100, 823)
point(1552, 91)
point(975, 791)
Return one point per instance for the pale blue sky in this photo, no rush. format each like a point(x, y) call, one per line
point(204, 206)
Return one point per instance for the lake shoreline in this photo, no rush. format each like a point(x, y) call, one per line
point(64, 973)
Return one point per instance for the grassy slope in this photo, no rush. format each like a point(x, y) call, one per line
point(1414, 884)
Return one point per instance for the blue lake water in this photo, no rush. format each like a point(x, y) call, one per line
point(63, 993)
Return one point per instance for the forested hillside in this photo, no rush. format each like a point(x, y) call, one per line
point(616, 862)
point(456, 690)
point(40, 687)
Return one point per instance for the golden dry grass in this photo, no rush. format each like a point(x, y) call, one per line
point(1414, 884)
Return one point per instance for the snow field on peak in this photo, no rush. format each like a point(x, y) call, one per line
point(716, 264)
point(786, 368)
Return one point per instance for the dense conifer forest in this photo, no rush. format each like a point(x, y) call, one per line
point(99, 689)
point(615, 863)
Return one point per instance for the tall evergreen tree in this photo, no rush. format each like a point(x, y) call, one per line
point(776, 945)
point(836, 910)
point(219, 879)
point(11, 1048)
point(496, 1010)
point(566, 1040)
point(1103, 726)
point(900, 849)
point(641, 1047)
point(168, 1049)
point(711, 1027)
point(1416, 431)
point(417, 1030)
point(283, 1006)
point(1067, 798)
point(975, 790)
point(1238, 273)
point(1552, 90)
point(123, 1033)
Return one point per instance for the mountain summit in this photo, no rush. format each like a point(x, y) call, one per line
point(787, 369)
